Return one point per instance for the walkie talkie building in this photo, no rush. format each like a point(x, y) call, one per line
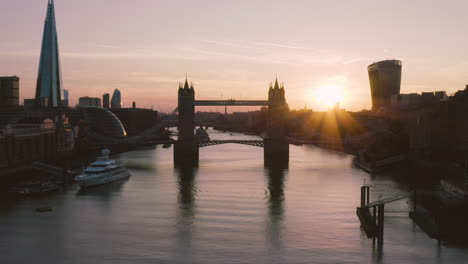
point(385, 81)
point(49, 80)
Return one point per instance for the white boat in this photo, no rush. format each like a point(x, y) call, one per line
point(103, 170)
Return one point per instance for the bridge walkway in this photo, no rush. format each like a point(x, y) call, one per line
point(388, 200)
point(255, 143)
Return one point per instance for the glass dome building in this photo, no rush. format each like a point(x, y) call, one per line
point(103, 122)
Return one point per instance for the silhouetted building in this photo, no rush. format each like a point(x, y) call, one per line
point(65, 98)
point(116, 101)
point(278, 109)
point(136, 120)
point(9, 91)
point(106, 101)
point(385, 81)
point(441, 95)
point(414, 100)
point(405, 100)
point(29, 103)
point(34, 139)
point(49, 80)
point(36, 102)
point(89, 101)
point(186, 97)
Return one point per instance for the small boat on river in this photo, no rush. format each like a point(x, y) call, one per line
point(34, 188)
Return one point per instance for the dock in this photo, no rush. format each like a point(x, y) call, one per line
point(373, 222)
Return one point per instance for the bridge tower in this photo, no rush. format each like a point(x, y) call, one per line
point(186, 147)
point(276, 146)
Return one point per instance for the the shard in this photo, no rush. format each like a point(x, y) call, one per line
point(49, 88)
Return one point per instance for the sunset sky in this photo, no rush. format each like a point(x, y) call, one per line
point(234, 49)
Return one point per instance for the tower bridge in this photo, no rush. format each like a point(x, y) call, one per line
point(275, 145)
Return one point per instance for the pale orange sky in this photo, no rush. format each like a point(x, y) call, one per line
point(233, 49)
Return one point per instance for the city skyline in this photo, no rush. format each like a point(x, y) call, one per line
point(228, 57)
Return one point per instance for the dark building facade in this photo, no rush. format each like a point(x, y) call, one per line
point(106, 101)
point(24, 143)
point(136, 120)
point(65, 98)
point(186, 147)
point(89, 101)
point(9, 91)
point(385, 81)
point(49, 80)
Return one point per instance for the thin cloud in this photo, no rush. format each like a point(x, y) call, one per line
point(108, 46)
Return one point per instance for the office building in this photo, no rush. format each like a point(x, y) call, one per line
point(9, 91)
point(106, 101)
point(116, 101)
point(385, 81)
point(89, 101)
point(136, 120)
point(49, 80)
point(65, 98)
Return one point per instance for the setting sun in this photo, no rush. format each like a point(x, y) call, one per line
point(329, 95)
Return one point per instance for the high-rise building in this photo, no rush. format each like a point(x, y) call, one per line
point(65, 98)
point(385, 81)
point(9, 91)
point(105, 100)
point(49, 81)
point(116, 101)
point(89, 101)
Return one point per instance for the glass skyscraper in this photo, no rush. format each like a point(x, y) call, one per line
point(49, 80)
point(116, 101)
point(385, 81)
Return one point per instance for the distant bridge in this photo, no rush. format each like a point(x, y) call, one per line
point(175, 123)
point(255, 143)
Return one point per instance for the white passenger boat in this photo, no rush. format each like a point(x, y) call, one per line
point(103, 170)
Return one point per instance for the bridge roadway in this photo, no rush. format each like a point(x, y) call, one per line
point(231, 102)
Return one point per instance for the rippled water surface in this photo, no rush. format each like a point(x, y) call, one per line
point(229, 210)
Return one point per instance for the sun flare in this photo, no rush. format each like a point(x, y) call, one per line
point(329, 95)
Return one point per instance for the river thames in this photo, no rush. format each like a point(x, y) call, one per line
point(229, 210)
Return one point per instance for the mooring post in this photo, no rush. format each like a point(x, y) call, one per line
point(414, 201)
point(380, 225)
point(363, 196)
point(367, 195)
point(374, 215)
